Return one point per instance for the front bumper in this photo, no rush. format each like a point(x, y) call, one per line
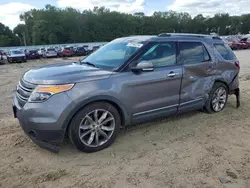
point(44, 122)
point(17, 59)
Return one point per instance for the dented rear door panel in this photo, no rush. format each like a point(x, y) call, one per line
point(197, 81)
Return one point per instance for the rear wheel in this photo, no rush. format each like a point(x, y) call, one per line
point(95, 127)
point(217, 98)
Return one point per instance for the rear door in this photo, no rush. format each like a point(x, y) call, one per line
point(198, 68)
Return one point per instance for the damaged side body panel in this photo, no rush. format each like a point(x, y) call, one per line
point(198, 79)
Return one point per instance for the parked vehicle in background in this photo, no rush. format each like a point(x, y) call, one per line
point(1, 56)
point(87, 49)
point(95, 48)
point(16, 56)
point(246, 40)
point(235, 44)
point(57, 49)
point(50, 52)
point(33, 54)
point(66, 52)
point(80, 51)
point(127, 81)
point(41, 52)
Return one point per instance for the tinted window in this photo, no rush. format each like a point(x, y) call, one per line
point(193, 52)
point(225, 51)
point(16, 52)
point(51, 49)
point(161, 55)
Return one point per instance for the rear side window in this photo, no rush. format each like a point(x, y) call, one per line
point(225, 51)
point(193, 52)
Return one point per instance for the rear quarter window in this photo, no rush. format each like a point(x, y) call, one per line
point(193, 52)
point(225, 51)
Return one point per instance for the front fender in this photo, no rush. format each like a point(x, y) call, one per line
point(80, 104)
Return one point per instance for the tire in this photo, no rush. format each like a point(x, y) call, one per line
point(209, 108)
point(89, 111)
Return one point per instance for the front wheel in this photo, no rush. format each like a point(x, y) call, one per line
point(217, 98)
point(95, 127)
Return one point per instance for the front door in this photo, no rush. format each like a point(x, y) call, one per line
point(198, 69)
point(154, 93)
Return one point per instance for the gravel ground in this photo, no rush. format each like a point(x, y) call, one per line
point(194, 150)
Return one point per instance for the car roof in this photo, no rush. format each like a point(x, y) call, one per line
point(169, 36)
point(11, 50)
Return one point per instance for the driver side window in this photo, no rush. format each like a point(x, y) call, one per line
point(161, 54)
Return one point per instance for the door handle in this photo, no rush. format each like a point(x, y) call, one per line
point(172, 74)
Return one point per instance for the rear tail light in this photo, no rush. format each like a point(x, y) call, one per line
point(237, 64)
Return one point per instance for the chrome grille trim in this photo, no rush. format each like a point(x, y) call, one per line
point(23, 92)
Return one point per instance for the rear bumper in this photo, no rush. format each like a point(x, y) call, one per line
point(50, 55)
point(44, 122)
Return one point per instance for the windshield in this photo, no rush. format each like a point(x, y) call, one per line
point(51, 49)
point(16, 52)
point(113, 54)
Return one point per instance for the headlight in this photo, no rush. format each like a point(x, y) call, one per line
point(43, 92)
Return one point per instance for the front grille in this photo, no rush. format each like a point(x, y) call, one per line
point(23, 92)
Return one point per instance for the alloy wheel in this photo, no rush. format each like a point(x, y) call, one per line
point(219, 99)
point(96, 128)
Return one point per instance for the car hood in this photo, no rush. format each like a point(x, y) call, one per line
point(64, 73)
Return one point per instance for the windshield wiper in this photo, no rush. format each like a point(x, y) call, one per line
point(88, 63)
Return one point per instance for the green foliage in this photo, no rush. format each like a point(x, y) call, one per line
point(52, 25)
point(7, 37)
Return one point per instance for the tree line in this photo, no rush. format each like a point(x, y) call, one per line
point(52, 25)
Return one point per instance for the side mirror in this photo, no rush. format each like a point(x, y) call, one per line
point(143, 66)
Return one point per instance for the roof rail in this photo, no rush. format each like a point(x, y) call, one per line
point(182, 34)
point(164, 35)
point(217, 37)
point(212, 35)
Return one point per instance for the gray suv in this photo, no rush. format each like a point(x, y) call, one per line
point(127, 81)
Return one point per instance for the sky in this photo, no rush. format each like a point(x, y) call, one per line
point(11, 9)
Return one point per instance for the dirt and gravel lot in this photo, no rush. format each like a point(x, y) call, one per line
point(194, 150)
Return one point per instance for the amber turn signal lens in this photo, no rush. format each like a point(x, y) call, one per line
point(54, 88)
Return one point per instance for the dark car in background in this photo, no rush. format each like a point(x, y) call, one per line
point(86, 47)
point(95, 48)
point(66, 52)
point(128, 81)
point(80, 51)
point(1, 56)
point(32, 54)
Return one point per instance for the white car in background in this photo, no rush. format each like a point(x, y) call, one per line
point(16, 56)
point(50, 52)
point(41, 51)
